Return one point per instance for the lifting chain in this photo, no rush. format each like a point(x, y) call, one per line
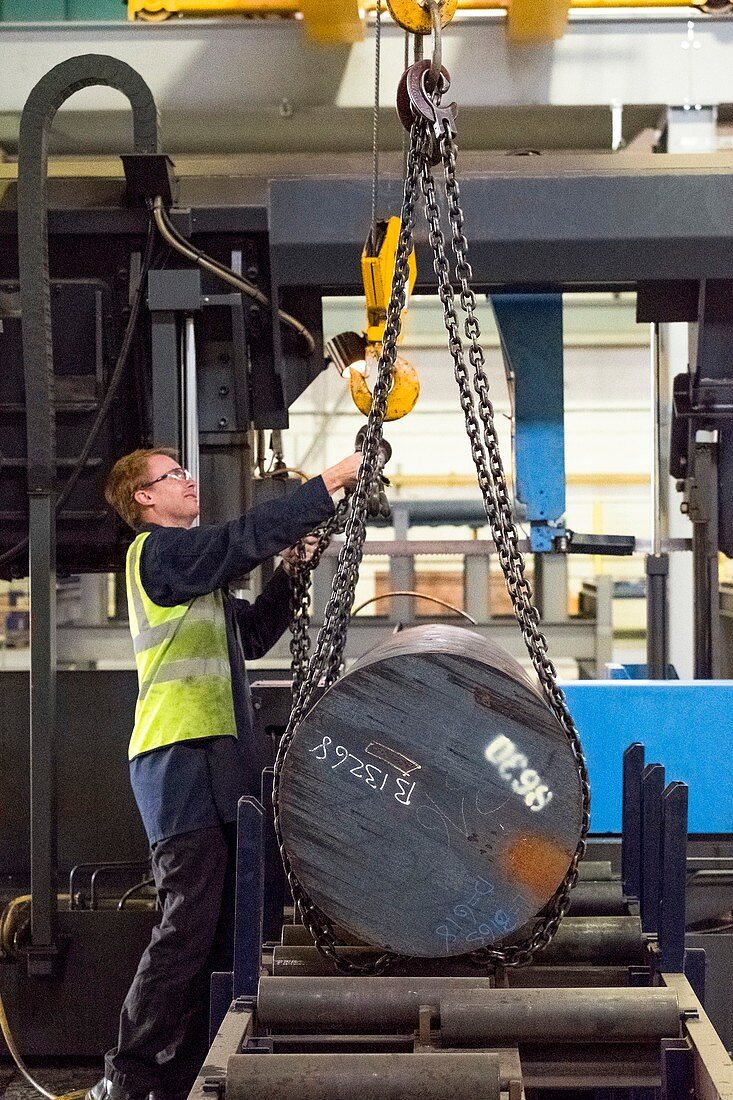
point(300, 594)
point(432, 140)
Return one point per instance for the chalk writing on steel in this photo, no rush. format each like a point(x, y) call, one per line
point(374, 778)
point(467, 922)
point(513, 767)
point(399, 762)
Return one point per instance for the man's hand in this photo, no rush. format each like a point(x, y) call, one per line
point(292, 557)
point(343, 474)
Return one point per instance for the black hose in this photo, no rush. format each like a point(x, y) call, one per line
point(170, 234)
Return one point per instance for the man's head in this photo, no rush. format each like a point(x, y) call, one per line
point(148, 486)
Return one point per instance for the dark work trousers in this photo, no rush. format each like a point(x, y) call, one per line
point(164, 1023)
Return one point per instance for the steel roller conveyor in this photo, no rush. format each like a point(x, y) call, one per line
point(469, 1011)
point(469, 1076)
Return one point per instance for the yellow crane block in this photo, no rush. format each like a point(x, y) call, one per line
point(327, 21)
point(377, 272)
point(532, 21)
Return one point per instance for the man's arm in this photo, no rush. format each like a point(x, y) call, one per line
point(265, 620)
point(178, 564)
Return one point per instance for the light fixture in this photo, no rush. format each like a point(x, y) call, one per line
point(347, 352)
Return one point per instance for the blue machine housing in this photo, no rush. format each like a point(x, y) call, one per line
point(688, 725)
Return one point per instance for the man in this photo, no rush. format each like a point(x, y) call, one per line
point(193, 750)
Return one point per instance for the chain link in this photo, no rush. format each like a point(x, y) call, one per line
point(325, 665)
point(300, 594)
point(484, 442)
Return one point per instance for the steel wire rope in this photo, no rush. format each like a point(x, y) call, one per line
point(375, 124)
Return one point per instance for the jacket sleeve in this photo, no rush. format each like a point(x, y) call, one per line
point(179, 564)
point(261, 623)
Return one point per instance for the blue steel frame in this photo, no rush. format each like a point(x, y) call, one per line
point(530, 330)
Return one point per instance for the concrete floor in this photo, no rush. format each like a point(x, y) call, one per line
point(57, 1077)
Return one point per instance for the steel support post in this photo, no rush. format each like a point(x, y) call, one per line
point(250, 895)
point(657, 625)
point(652, 786)
point(603, 624)
point(401, 570)
point(477, 587)
point(42, 528)
point(657, 563)
point(633, 768)
point(275, 882)
point(671, 920)
point(166, 386)
point(189, 402)
point(551, 586)
point(704, 515)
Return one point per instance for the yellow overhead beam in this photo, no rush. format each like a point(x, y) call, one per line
point(530, 21)
point(327, 21)
point(341, 21)
point(155, 11)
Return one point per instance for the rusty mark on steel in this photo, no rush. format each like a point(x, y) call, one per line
point(390, 756)
point(536, 863)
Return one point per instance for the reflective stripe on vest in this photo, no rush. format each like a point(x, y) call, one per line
point(183, 671)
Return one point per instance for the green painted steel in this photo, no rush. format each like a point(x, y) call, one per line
point(61, 11)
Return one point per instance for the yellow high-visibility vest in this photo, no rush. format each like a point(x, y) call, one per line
point(183, 671)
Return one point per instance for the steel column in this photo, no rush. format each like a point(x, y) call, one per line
point(250, 892)
point(671, 923)
point(652, 786)
point(42, 525)
point(633, 767)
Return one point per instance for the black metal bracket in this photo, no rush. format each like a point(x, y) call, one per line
point(572, 542)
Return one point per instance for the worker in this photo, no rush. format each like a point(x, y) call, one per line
point(194, 750)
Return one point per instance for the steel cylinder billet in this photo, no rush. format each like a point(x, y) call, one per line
point(353, 1004)
point(462, 1076)
point(597, 898)
point(430, 802)
point(496, 1016)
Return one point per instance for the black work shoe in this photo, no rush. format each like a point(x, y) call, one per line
point(108, 1090)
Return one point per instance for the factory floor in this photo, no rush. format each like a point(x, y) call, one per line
point(58, 1076)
